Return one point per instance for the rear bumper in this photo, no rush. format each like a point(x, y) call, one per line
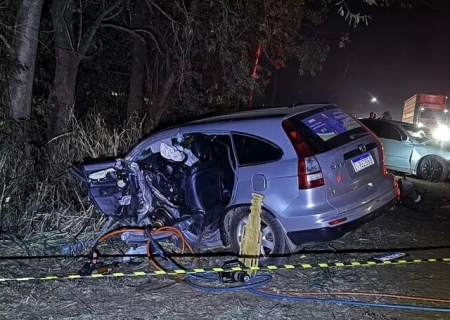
point(332, 233)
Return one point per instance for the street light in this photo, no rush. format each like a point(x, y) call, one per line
point(373, 100)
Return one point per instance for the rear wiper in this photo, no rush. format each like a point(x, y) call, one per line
point(356, 135)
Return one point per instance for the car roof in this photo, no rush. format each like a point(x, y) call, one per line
point(396, 123)
point(386, 120)
point(240, 121)
point(262, 112)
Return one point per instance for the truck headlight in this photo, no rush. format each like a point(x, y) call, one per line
point(442, 133)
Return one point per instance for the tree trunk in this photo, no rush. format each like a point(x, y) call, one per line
point(63, 89)
point(136, 93)
point(24, 59)
point(159, 109)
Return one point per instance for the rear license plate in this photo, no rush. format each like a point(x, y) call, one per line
point(362, 162)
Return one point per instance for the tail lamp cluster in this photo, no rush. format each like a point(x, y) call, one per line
point(309, 171)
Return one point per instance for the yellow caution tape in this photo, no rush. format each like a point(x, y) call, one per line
point(303, 266)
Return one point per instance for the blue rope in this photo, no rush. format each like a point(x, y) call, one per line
point(349, 303)
point(261, 280)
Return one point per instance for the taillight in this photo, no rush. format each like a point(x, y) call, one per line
point(309, 171)
point(397, 189)
point(383, 161)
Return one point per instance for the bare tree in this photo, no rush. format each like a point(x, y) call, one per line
point(71, 47)
point(23, 51)
point(136, 93)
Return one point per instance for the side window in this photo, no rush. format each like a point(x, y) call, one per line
point(375, 127)
point(251, 150)
point(390, 132)
point(383, 130)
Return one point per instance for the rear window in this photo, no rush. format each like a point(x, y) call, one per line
point(253, 151)
point(326, 128)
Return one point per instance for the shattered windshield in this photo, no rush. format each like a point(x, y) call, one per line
point(420, 134)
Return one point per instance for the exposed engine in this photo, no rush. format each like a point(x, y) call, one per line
point(152, 192)
point(166, 176)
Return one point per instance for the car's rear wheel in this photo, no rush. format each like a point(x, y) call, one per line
point(273, 244)
point(433, 169)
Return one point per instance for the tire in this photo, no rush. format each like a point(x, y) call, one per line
point(433, 169)
point(274, 236)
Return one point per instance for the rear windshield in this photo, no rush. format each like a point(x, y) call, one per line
point(327, 128)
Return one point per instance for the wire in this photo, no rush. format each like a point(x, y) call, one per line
point(265, 279)
point(347, 302)
point(151, 242)
point(254, 282)
point(260, 280)
point(381, 295)
point(219, 254)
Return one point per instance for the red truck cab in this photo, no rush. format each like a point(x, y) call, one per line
point(426, 109)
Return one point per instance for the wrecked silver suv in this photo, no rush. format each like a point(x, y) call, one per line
point(322, 174)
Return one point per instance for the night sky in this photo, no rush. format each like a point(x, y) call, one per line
point(401, 52)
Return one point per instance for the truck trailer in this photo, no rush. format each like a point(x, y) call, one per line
point(426, 110)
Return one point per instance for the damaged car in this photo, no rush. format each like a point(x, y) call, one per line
point(322, 174)
point(412, 149)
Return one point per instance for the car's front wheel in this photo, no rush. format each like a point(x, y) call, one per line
point(273, 244)
point(433, 169)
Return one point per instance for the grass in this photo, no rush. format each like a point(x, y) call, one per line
point(43, 207)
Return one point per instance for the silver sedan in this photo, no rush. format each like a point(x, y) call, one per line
point(412, 149)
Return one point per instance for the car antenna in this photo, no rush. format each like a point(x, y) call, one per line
point(296, 99)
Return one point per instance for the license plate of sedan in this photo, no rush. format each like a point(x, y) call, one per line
point(362, 162)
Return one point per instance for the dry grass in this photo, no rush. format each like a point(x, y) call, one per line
point(42, 206)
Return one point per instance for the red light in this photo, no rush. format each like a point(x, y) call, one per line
point(306, 180)
point(300, 146)
point(337, 221)
point(397, 189)
point(383, 161)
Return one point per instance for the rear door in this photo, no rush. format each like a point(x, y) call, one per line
point(349, 155)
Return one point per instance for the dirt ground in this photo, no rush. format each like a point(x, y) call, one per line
point(426, 224)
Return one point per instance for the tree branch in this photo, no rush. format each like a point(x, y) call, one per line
point(7, 44)
point(113, 15)
point(80, 31)
point(149, 3)
point(66, 25)
point(92, 30)
point(134, 32)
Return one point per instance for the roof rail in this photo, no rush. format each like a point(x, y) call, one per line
point(264, 107)
point(298, 104)
point(294, 105)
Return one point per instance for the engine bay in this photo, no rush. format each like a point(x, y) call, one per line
point(174, 186)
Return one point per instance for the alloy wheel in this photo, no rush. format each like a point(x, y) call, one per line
point(267, 239)
point(431, 169)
